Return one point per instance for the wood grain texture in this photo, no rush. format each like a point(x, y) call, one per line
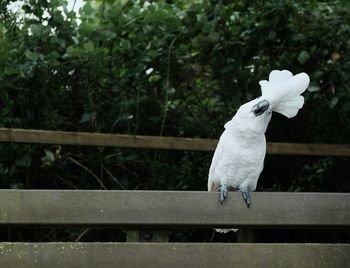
point(172, 208)
point(100, 139)
point(50, 255)
point(155, 142)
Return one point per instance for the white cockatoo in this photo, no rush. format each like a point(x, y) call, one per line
point(239, 156)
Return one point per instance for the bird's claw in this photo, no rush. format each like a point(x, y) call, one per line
point(223, 193)
point(246, 197)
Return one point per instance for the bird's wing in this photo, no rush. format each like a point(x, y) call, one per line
point(259, 165)
point(216, 158)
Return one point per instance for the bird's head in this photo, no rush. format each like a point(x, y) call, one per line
point(260, 108)
point(252, 118)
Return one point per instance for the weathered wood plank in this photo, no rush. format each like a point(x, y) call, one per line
point(155, 142)
point(50, 255)
point(308, 149)
point(172, 208)
point(100, 139)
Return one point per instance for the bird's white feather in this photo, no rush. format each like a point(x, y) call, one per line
point(279, 76)
point(283, 91)
point(289, 107)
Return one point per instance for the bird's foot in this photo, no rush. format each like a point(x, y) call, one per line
point(223, 193)
point(246, 196)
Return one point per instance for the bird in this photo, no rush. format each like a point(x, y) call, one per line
point(239, 156)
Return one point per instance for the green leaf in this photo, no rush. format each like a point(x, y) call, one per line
point(88, 117)
point(154, 78)
point(73, 51)
point(333, 102)
point(48, 158)
point(88, 9)
point(108, 34)
point(303, 57)
point(34, 56)
point(75, 39)
point(49, 155)
point(89, 46)
point(25, 161)
point(313, 88)
point(36, 29)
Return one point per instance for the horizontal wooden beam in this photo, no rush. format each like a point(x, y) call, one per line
point(156, 142)
point(172, 208)
point(308, 149)
point(18, 255)
point(100, 139)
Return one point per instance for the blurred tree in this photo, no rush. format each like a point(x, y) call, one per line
point(174, 68)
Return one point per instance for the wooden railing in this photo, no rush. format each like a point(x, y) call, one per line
point(159, 255)
point(172, 209)
point(162, 210)
point(156, 142)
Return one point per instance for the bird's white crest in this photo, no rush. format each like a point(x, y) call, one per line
point(283, 91)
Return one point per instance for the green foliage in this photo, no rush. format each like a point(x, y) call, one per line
point(177, 68)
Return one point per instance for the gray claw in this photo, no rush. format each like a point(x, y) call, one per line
point(223, 193)
point(246, 197)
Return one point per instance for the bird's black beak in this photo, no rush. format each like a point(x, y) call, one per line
point(260, 107)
